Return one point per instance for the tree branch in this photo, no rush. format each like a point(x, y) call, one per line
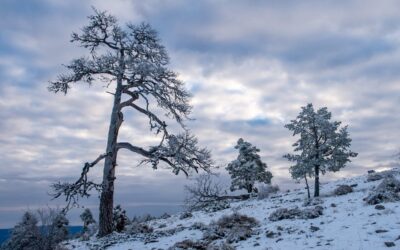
point(81, 187)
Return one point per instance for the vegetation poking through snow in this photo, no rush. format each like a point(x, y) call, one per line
point(286, 220)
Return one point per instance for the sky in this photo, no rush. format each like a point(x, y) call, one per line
point(250, 65)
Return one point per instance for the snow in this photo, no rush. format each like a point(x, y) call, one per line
point(348, 224)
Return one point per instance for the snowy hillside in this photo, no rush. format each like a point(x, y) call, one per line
point(343, 222)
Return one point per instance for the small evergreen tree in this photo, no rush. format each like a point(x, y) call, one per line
point(25, 235)
point(323, 146)
point(87, 218)
point(247, 168)
point(120, 219)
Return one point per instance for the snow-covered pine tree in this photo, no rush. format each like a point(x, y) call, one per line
point(248, 168)
point(131, 59)
point(87, 219)
point(120, 219)
point(323, 146)
point(25, 235)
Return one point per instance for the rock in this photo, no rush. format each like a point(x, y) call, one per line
point(165, 216)
point(379, 207)
point(371, 171)
point(387, 191)
point(374, 177)
point(354, 185)
point(314, 228)
point(312, 213)
point(389, 244)
point(343, 189)
point(379, 231)
point(185, 215)
point(333, 205)
point(272, 234)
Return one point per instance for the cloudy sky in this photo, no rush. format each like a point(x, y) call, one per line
point(250, 65)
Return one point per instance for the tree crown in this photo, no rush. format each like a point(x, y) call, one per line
point(247, 168)
point(322, 143)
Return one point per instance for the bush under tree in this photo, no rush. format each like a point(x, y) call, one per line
point(120, 219)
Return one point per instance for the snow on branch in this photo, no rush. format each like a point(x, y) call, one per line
point(179, 152)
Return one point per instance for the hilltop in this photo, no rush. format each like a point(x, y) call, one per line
point(332, 221)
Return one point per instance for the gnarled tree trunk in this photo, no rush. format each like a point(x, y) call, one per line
point(107, 194)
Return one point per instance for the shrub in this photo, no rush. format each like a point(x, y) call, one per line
point(89, 224)
point(265, 191)
point(140, 228)
point(234, 228)
point(120, 220)
point(343, 189)
point(189, 244)
point(185, 215)
point(165, 216)
point(387, 191)
point(296, 213)
point(205, 194)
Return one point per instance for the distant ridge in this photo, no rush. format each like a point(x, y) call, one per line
point(5, 233)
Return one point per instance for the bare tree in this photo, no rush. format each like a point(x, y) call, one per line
point(132, 59)
point(206, 192)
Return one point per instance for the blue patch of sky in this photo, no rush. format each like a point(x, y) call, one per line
point(259, 122)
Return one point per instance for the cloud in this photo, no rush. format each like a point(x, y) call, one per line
point(250, 67)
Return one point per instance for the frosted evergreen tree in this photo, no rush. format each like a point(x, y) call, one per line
point(25, 235)
point(87, 218)
point(58, 231)
point(248, 168)
point(131, 60)
point(120, 219)
point(323, 146)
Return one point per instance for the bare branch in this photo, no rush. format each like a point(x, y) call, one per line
point(160, 125)
point(180, 152)
point(206, 193)
point(102, 26)
point(81, 187)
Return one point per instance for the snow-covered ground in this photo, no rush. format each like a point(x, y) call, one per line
point(347, 223)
